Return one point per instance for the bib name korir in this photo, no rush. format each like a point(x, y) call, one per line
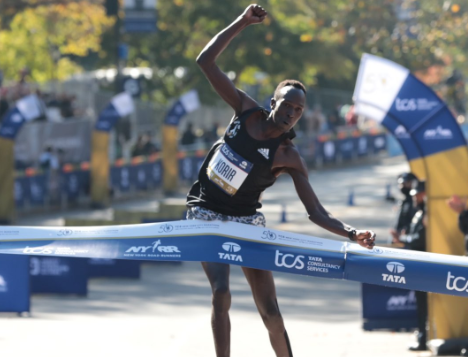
point(225, 170)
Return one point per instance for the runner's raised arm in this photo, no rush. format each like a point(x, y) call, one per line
point(237, 99)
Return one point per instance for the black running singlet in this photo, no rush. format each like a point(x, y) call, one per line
point(236, 170)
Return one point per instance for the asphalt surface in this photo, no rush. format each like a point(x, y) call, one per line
point(167, 312)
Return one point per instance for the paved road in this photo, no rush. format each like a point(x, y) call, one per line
point(167, 312)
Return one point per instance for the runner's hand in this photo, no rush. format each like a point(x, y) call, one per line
point(365, 239)
point(254, 14)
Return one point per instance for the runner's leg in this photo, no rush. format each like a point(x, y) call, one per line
point(218, 275)
point(264, 293)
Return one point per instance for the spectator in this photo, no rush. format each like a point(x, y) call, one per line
point(4, 106)
point(405, 183)
point(144, 146)
point(49, 162)
point(317, 121)
point(350, 117)
point(332, 121)
point(66, 106)
point(47, 159)
point(458, 204)
point(188, 137)
point(211, 135)
point(415, 239)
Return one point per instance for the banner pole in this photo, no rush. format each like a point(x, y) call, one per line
point(7, 181)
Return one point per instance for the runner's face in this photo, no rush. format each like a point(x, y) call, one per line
point(287, 109)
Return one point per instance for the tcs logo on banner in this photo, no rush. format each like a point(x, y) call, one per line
point(457, 283)
point(289, 260)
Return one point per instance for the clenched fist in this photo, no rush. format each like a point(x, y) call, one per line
point(254, 14)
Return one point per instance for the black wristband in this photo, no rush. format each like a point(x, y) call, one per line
point(351, 234)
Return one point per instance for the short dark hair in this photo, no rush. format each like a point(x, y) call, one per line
point(289, 82)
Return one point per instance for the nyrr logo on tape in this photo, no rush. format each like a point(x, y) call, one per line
point(395, 268)
point(153, 250)
point(231, 248)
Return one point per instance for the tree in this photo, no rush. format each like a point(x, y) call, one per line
point(43, 39)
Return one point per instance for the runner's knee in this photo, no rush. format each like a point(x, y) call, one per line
point(273, 320)
point(221, 299)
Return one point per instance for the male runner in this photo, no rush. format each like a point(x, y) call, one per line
point(258, 145)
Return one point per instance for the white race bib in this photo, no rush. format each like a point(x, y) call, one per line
point(228, 170)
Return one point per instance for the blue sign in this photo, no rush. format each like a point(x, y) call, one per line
point(388, 308)
point(107, 118)
point(174, 114)
point(14, 283)
point(187, 169)
point(58, 275)
point(140, 16)
point(21, 191)
point(115, 268)
point(38, 189)
point(11, 123)
point(120, 178)
point(346, 148)
point(140, 176)
point(72, 185)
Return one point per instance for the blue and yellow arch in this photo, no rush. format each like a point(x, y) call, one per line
point(436, 150)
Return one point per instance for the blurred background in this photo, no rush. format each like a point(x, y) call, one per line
point(75, 55)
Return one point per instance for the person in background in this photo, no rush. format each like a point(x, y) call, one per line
point(144, 146)
point(458, 205)
point(405, 183)
point(188, 137)
point(415, 239)
point(4, 105)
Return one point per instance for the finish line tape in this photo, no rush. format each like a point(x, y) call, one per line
point(245, 245)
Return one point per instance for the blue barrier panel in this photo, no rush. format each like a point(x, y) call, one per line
point(115, 268)
point(388, 308)
point(379, 142)
point(362, 145)
point(38, 189)
point(198, 162)
point(58, 275)
point(139, 176)
point(120, 178)
point(155, 175)
point(85, 181)
point(346, 148)
point(72, 185)
point(14, 283)
point(21, 191)
point(327, 151)
point(186, 168)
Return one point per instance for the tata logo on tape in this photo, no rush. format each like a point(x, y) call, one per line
point(394, 268)
point(289, 261)
point(231, 248)
point(457, 283)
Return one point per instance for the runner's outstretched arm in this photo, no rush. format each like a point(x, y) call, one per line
point(297, 169)
point(236, 98)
